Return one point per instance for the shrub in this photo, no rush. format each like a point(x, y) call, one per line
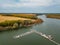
point(9, 23)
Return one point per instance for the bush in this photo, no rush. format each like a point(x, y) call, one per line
point(12, 22)
point(9, 23)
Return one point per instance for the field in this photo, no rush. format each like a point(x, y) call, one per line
point(29, 16)
point(4, 18)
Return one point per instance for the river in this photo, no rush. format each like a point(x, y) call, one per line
point(49, 27)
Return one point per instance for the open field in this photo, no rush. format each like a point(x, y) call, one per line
point(29, 16)
point(3, 18)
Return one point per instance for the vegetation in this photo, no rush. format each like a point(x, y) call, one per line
point(29, 16)
point(9, 23)
point(57, 16)
point(13, 21)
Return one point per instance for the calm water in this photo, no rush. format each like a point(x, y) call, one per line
point(49, 27)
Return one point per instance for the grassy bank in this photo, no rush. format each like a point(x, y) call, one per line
point(16, 21)
point(14, 24)
point(56, 16)
point(29, 16)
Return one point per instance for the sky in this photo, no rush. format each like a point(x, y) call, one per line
point(29, 6)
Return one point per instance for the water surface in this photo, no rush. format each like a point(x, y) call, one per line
point(48, 27)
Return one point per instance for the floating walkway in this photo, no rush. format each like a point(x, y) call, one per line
point(39, 33)
point(24, 34)
point(47, 37)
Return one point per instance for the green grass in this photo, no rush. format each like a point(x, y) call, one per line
point(9, 23)
point(12, 22)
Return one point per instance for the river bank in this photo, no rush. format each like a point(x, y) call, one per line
point(56, 16)
point(48, 27)
point(14, 22)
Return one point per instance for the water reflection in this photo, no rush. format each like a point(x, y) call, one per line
point(43, 17)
